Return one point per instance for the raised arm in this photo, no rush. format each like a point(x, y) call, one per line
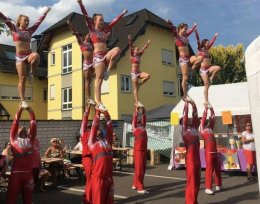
point(212, 41)
point(8, 22)
point(15, 125)
point(39, 21)
point(130, 43)
point(191, 30)
point(94, 129)
point(203, 119)
point(185, 117)
point(84, 122)
point(89, 21)
point(173, 28)
point(195, 119)
point(109, 127)
point(114, 21)
point(73, 30)
point(33, 127)
point(212, 118)
point(198, 39)
point(145, 47)
point(144, 117)
point(135, 118)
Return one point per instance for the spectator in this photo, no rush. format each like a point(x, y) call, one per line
point(40, 175)
point(249, 150)
point(62, 145)
point(54, 151)
point(3, 168)
point(8, 153)
point(116, 141)
point(78, 147)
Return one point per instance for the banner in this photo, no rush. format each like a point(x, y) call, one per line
point(230, 159)
point(226, 118)
point(174, 118)
point(180, 153)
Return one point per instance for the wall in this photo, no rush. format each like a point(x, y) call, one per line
point(46, 129)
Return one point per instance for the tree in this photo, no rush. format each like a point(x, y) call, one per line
point(231, 61)
point(3, 28)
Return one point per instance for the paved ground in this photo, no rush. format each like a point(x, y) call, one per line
point(164, 186)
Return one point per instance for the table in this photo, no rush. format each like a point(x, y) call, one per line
point(51, 160)
point(238, 158)
point(74, 152)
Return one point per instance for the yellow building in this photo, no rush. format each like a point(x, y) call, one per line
point(36, 94)
point(65, 80)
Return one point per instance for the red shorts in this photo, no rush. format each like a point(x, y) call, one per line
point(250, 157)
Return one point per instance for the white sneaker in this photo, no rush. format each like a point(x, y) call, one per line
point(219, 188)
point(140, 105)
point(106, 75)
point(91, 101)
point(30, 78)
point(24, 105)
point(209, 191)
point(143, 192)
point(102, 107)
point(133, 188)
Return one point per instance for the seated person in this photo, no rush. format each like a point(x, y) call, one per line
point(40, 175)
point(62, 145)
point(77, 159)
point(9, 155)
point(54, 151)
point(116, 143)
point(3, 168)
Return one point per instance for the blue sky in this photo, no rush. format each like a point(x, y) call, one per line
point(236, 21)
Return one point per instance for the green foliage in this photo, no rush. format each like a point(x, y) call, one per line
point(3, 28)
point(231, 61)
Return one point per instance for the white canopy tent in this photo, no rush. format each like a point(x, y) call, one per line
point(224, 97)
point(252, 57)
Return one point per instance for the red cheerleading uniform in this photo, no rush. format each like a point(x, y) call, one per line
point(84, 47)
point(193, 167)
point(86, 157)
point(204, 53)
point(211, 152)
point(140, 150)
point(21, 175)
point(22, 35)
point(102, 156)
point(182, 41)
point(135, 58)
point(98, 36)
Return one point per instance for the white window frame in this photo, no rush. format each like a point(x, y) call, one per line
point(123, 81)
point(66, 102)
point(52, 92)
point(52, 58)
point(166, 88)
point(105, 87)
point(167, 57)
point(68, 52)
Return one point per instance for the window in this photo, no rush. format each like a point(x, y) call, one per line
point(67, 59)
point(53, 58)
point(167, 57)
point(11, 93)
point(52, 92)
point(125, 83)
point(45, 94)
point(104, 87)
point(168, 88)
point(67, 98)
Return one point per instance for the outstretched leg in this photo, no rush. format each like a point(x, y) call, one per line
point(99, 70)
point(185, 75)
point(135, 88)
point(21, 70)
